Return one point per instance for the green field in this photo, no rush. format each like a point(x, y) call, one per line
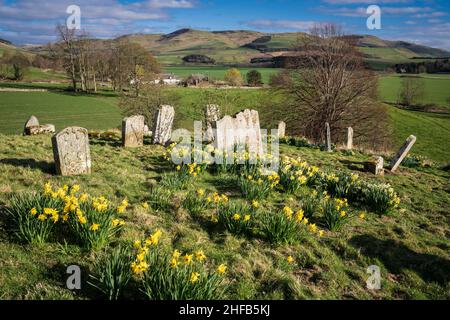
point(437, 89)
point(59, 108)
point(218, 73)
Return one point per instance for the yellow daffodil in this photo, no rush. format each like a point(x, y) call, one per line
point(312, 228)
point(290, 259)
point(321, 233)
point(188, 258)
point(137, 244)
point(145, 205)
point(362, 215)
point(94, 227)
point(33, 211)
point(222, 269)
point(236, 217)
point(173, 263)
point(42, 217)
point(299, 215)
point(200, 256)
point(194, 277)
point(176, 254)
point(255, 204)
point(82, 220)
point(247, 217)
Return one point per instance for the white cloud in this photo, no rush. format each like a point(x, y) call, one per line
point(282, 24)
point(101, 18)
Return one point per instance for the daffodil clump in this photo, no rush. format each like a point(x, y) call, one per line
point(196, 202)
point(34, 216)
point(287, 226)
point(92, 221)
point(295, 174)
point(381, 198)
point(176, 275)
point(339, 184)
point(310, 203)
point(259, 186)
point(335, 212)
point(160, 198)
point(236, 217)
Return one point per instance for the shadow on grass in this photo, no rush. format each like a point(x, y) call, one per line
point(353, 165)
point(397, 257)
point(44, 166)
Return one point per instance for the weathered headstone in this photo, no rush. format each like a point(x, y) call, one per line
point(212, 114)
point(244, 129)
point(281, 129)
point(133, 131)
point(349, 138)
point(402, 153)
point(35, 130)
point(71, 152)
point(31, 122)
point(162, 125)
point(225, 134)
point(375, 166)
point(329, 149)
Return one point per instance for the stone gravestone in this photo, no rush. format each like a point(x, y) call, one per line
point(133, 131)
point(71, 152)
point(329, 149)
point(349, 138)
point(243, 129)
point(281, 129)
point(212, 114)
point(402, 153)
point(375, 166)
point(225, 134)
point(31, 122)
point(46, 128)
point(162, 125)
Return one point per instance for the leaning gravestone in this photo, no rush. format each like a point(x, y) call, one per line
point(327, 125)
point(31, 122)
point(402, 153)
point(212, 114)
point(349, 138)
point(133, 131)
point(71, 152)
point(162, 125)
point(281, 129)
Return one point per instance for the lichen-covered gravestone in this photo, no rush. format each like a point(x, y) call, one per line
point(212, 114)
point(162, 125)
point(133, 131)
point(46, 128)
point(402, 153)
point(375, 166)
point(327, 126)
point(349, 138)
point(71, 152)
point(281, 129)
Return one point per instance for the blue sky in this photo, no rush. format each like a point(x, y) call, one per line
point(33, 22)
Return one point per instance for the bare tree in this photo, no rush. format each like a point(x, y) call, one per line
point(67, 49)
point(330, 83)
point(412, 90)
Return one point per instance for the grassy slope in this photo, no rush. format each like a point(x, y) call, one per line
point(432, 131)
point(437, 89)
point(411, 247)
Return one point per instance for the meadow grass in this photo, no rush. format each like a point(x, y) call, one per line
point(410, 246)
point(437, 89)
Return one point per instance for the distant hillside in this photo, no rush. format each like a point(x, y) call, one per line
point(242, 46)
